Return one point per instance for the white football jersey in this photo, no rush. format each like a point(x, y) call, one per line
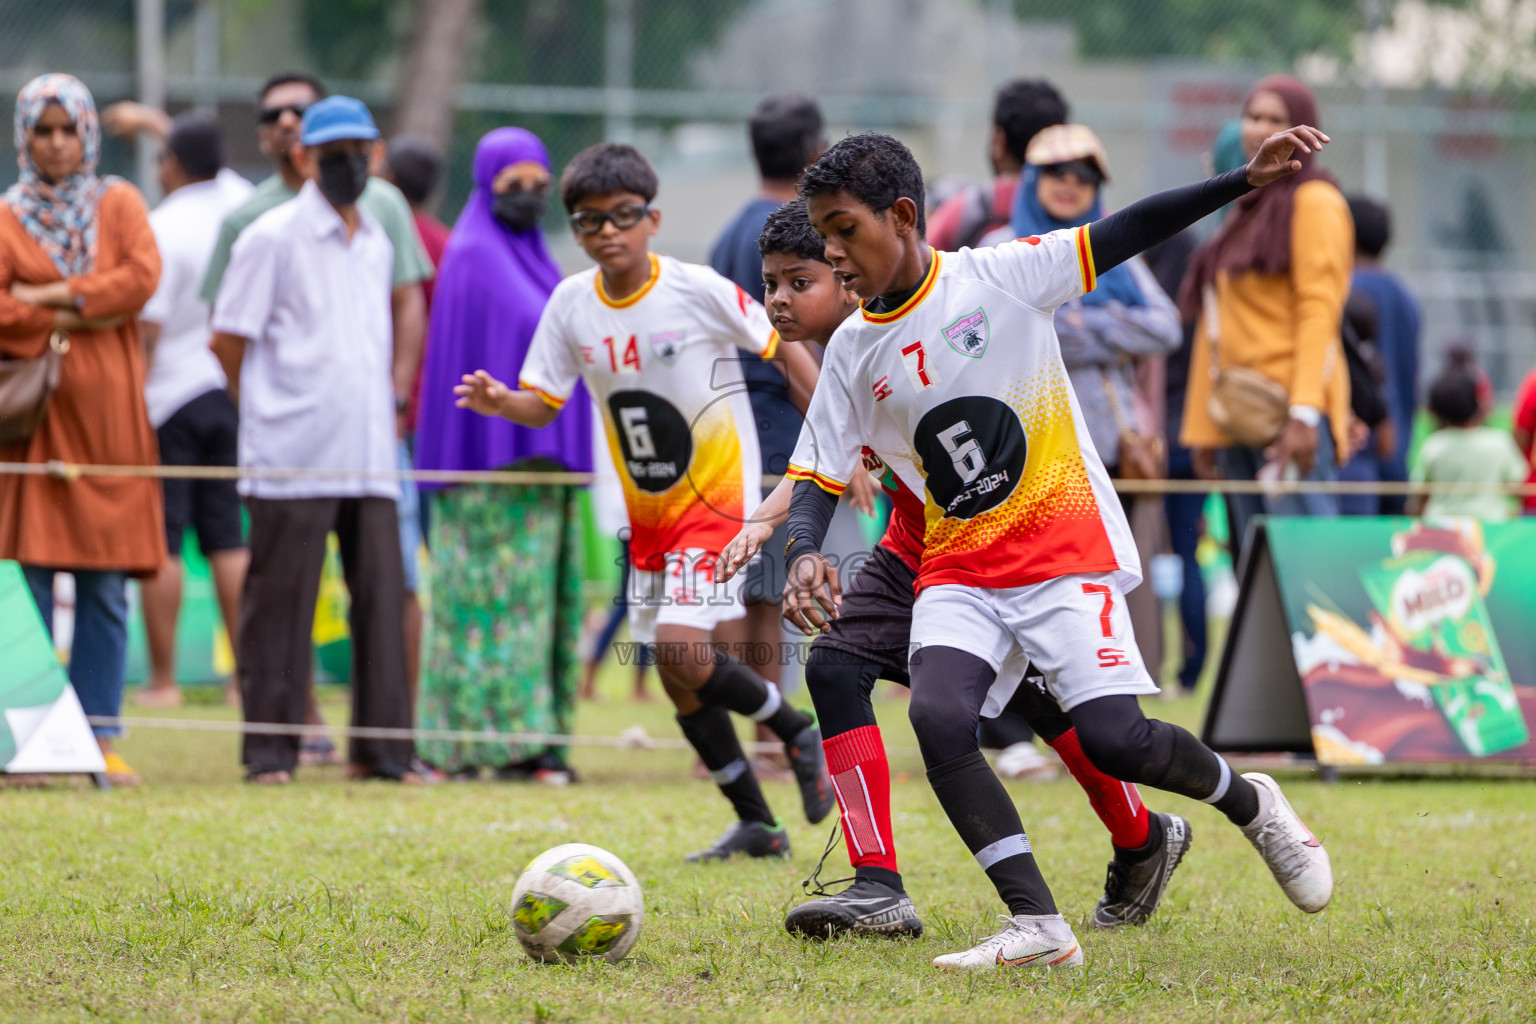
point(963, 386)
point(665, 372)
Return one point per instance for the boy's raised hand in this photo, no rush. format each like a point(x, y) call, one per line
point(481, 393)
point(1276, 157)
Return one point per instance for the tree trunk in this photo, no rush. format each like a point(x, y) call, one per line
point(441, 31)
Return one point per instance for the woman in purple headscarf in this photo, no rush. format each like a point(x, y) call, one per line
point(500, 652)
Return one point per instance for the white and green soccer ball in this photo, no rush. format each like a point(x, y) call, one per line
point(575, 902)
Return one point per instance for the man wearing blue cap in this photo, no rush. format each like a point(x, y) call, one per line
point(302, 326)
point(280, 106)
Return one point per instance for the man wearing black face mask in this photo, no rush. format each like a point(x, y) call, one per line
point(302, 328)
point(280, 106)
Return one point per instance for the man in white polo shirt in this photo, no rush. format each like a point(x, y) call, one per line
point(303, 329)
point(188, 406)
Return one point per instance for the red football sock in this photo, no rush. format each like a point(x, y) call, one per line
point(1117, 803)
point(861, 779)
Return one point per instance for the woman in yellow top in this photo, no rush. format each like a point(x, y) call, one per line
point(1267, 294)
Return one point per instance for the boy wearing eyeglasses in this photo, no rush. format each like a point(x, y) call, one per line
point(655, 341)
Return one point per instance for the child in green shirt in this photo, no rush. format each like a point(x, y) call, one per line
point(1465, 451)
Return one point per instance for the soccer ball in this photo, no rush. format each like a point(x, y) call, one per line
point(577, 901)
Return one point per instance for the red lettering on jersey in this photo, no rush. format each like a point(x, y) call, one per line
point(1032, 239)
point(882, 389)
point(917, 369)
point(586, 354)
point(631, 354)
point(1109, 606)
point(742, 298)
point(1110, 657)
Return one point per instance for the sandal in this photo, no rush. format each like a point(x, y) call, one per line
point(119, 772)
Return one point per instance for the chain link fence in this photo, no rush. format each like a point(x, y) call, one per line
point(1430, 101)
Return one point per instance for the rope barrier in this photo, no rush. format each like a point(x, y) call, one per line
point(69, 471)
point(624, 741)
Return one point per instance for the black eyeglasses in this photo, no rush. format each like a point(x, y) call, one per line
point(1085, 171)
point(590, 222)
point(271, 115)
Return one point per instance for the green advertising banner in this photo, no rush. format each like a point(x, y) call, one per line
point(1382, 640)
point(42, 727)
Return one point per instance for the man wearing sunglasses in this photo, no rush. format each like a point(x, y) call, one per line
point(280, 108)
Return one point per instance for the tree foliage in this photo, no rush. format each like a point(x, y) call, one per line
point(1261, 32)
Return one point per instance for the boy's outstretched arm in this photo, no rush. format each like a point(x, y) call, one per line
point(480, 392)
point(1143, 224)
point(812, 589)
point(755, 532)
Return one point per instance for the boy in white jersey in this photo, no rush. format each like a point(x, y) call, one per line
point(952, 373)
point(655, 341)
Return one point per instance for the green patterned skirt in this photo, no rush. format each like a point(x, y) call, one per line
point(500, 651)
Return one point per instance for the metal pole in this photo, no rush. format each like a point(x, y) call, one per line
point(619, 72)
point(1374, 158)
point(149, 47)
point(205, 55)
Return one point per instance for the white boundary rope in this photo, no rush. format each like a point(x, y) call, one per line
point(69, 471)
point(635, 741)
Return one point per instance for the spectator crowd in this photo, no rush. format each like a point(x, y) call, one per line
point(310, 330)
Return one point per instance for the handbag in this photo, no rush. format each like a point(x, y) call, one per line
point(1249, 408)
point(26, 385)
point(1142, 456)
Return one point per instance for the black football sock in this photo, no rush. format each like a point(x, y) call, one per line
point(979, 808)
point(1124, 744)
point(1195, 770)
point(737, 688)
point(713, 734)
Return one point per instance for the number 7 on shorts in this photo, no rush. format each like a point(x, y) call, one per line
point(1108, 594)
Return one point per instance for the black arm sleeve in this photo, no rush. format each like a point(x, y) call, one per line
point(1143, 224)
point(810, 512)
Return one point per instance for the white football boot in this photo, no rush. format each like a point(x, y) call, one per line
point(1294, 855)
point(1044, 941)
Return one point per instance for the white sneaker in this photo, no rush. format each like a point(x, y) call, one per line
point(1045, 941)
point(1294, 855)
point(1024, 761)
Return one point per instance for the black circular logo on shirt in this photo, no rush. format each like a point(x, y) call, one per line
point(654, 437)
point(973, 451)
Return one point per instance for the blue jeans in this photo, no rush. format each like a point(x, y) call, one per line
point(1185, 514)
point(98, 659)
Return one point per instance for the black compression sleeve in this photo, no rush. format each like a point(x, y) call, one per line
point(1143, 224)
point(810, 512)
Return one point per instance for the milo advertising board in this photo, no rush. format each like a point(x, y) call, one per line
point(1373, 641)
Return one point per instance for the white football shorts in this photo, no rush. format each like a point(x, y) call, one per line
point(1074, 629)
point(682, 594)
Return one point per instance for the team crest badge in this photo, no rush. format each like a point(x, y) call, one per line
point(667, 345)
point(969, 335)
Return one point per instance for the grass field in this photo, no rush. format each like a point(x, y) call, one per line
point(198, 898)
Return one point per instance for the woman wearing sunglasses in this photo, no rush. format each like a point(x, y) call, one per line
point(1112, 339)
point(500, 650)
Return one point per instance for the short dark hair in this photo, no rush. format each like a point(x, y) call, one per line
point(1373, 225)
point(416, 164)
point(197, 143)
point(875, 169)
point(288, 78)
point(1023, 107)
point(1453, 396)
point(789, 231)
point(786, 131)
point(604, 169)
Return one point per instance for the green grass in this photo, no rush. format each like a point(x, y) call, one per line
point(198, 898)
